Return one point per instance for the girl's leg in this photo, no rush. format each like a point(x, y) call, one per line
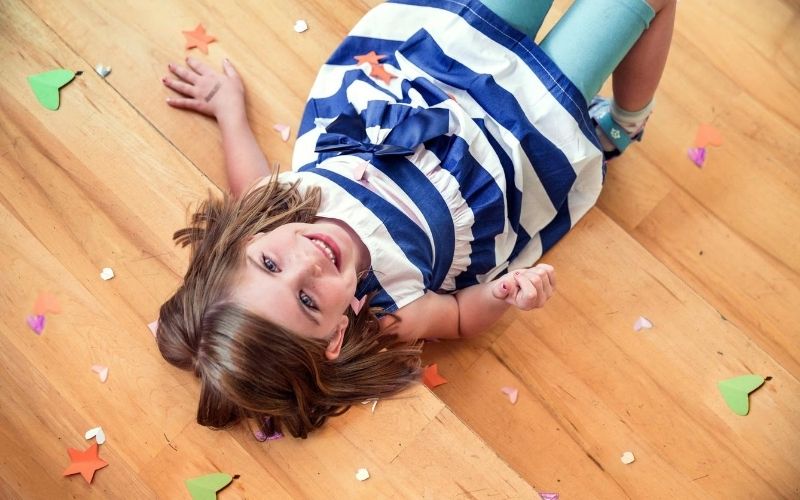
point(597, 37)
point(637, 76)
point(525, 15)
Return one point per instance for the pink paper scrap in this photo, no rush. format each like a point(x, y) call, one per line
point(511, 393)
point(285, 130)
point(549, 496)
point(101, 371)
point(697, 155)
point(642, 323)
point(36, 323)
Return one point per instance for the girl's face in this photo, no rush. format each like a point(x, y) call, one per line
point(303, 277)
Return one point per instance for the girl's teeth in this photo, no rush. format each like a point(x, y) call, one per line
point(326, 249)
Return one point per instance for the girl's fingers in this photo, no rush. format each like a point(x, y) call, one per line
point(198, 66)
point(183, 103)
point(526, 293)
point(180, 87)
point(228, 68)
point(551, 273)
point(183, 73)
point(547, 286)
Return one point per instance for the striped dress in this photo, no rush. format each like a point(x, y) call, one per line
point(450, 143)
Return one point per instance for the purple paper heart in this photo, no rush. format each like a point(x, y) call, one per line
point(36, 323)
point(697, 155)
point(549, 496)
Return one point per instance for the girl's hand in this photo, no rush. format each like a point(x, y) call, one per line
point(205, 91)
point(526, 288)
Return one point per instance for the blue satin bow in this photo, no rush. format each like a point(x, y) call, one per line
point(347, 134)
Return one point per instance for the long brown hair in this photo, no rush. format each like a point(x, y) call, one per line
point(250, 368)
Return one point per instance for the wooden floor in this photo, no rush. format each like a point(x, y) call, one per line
point(711, 256)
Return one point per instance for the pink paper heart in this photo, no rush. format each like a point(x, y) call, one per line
point(36, 323)
point(642, 323)
point(153, 327)
point(101, 371)
point(357, 304)
point(285, 130)
point(697, 155)
point(359, 170)
point(511, 393)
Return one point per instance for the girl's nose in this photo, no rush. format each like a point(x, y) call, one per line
point(316, 270)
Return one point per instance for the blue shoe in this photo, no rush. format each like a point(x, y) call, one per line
point(600, 112)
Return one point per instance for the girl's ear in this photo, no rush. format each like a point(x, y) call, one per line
point(253, 237)
point(335, 342)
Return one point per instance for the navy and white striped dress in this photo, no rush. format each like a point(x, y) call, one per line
point(473, 159)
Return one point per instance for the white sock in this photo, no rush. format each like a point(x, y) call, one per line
point(631, 121)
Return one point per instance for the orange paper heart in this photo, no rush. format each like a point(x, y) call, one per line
point(46, 303)
point(707, 136)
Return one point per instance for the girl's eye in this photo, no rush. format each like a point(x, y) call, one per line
point(307, 300)
point(270, 265)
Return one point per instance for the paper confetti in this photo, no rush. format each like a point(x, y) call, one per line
point(84, 462)
point(359, 170)
point(362, 474)
point(107, 273)
point(370, 57)
point(36, 323)
point(627, 458)
point(511, 393)
point(285, 130)
point(46, 303)
point(262, 436)
point(373, 401)
point(96, 433)
point(431, 377)
point(357, 304)
point(707, 136)
point(642, 323)
point(379, 72)
point(153, 327)
point(102, 70)
point(206, 487)
point(101, 371)
point(46, 86)
point(198, 38)
point(549, 496)
point(697, 155)
point(735, 391)
point(300, 26)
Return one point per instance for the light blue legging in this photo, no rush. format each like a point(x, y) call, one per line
point(589, 40)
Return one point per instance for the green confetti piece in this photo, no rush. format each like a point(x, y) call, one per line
point(206, 487)
point(736, 390)
point(45, 86)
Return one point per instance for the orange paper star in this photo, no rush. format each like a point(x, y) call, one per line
point(431, 377)
point(84, 462)
point(381, 74)
point(370, 57)
point(198, 38)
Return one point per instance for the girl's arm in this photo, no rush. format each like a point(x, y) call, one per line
point(471, 311)
point(221, 96)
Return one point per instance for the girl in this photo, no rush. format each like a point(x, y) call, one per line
point(440, 154)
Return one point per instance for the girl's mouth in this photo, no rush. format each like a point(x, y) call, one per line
point(328, 247)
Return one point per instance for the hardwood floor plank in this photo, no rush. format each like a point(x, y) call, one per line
point(752, 290)
point(599, 388)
